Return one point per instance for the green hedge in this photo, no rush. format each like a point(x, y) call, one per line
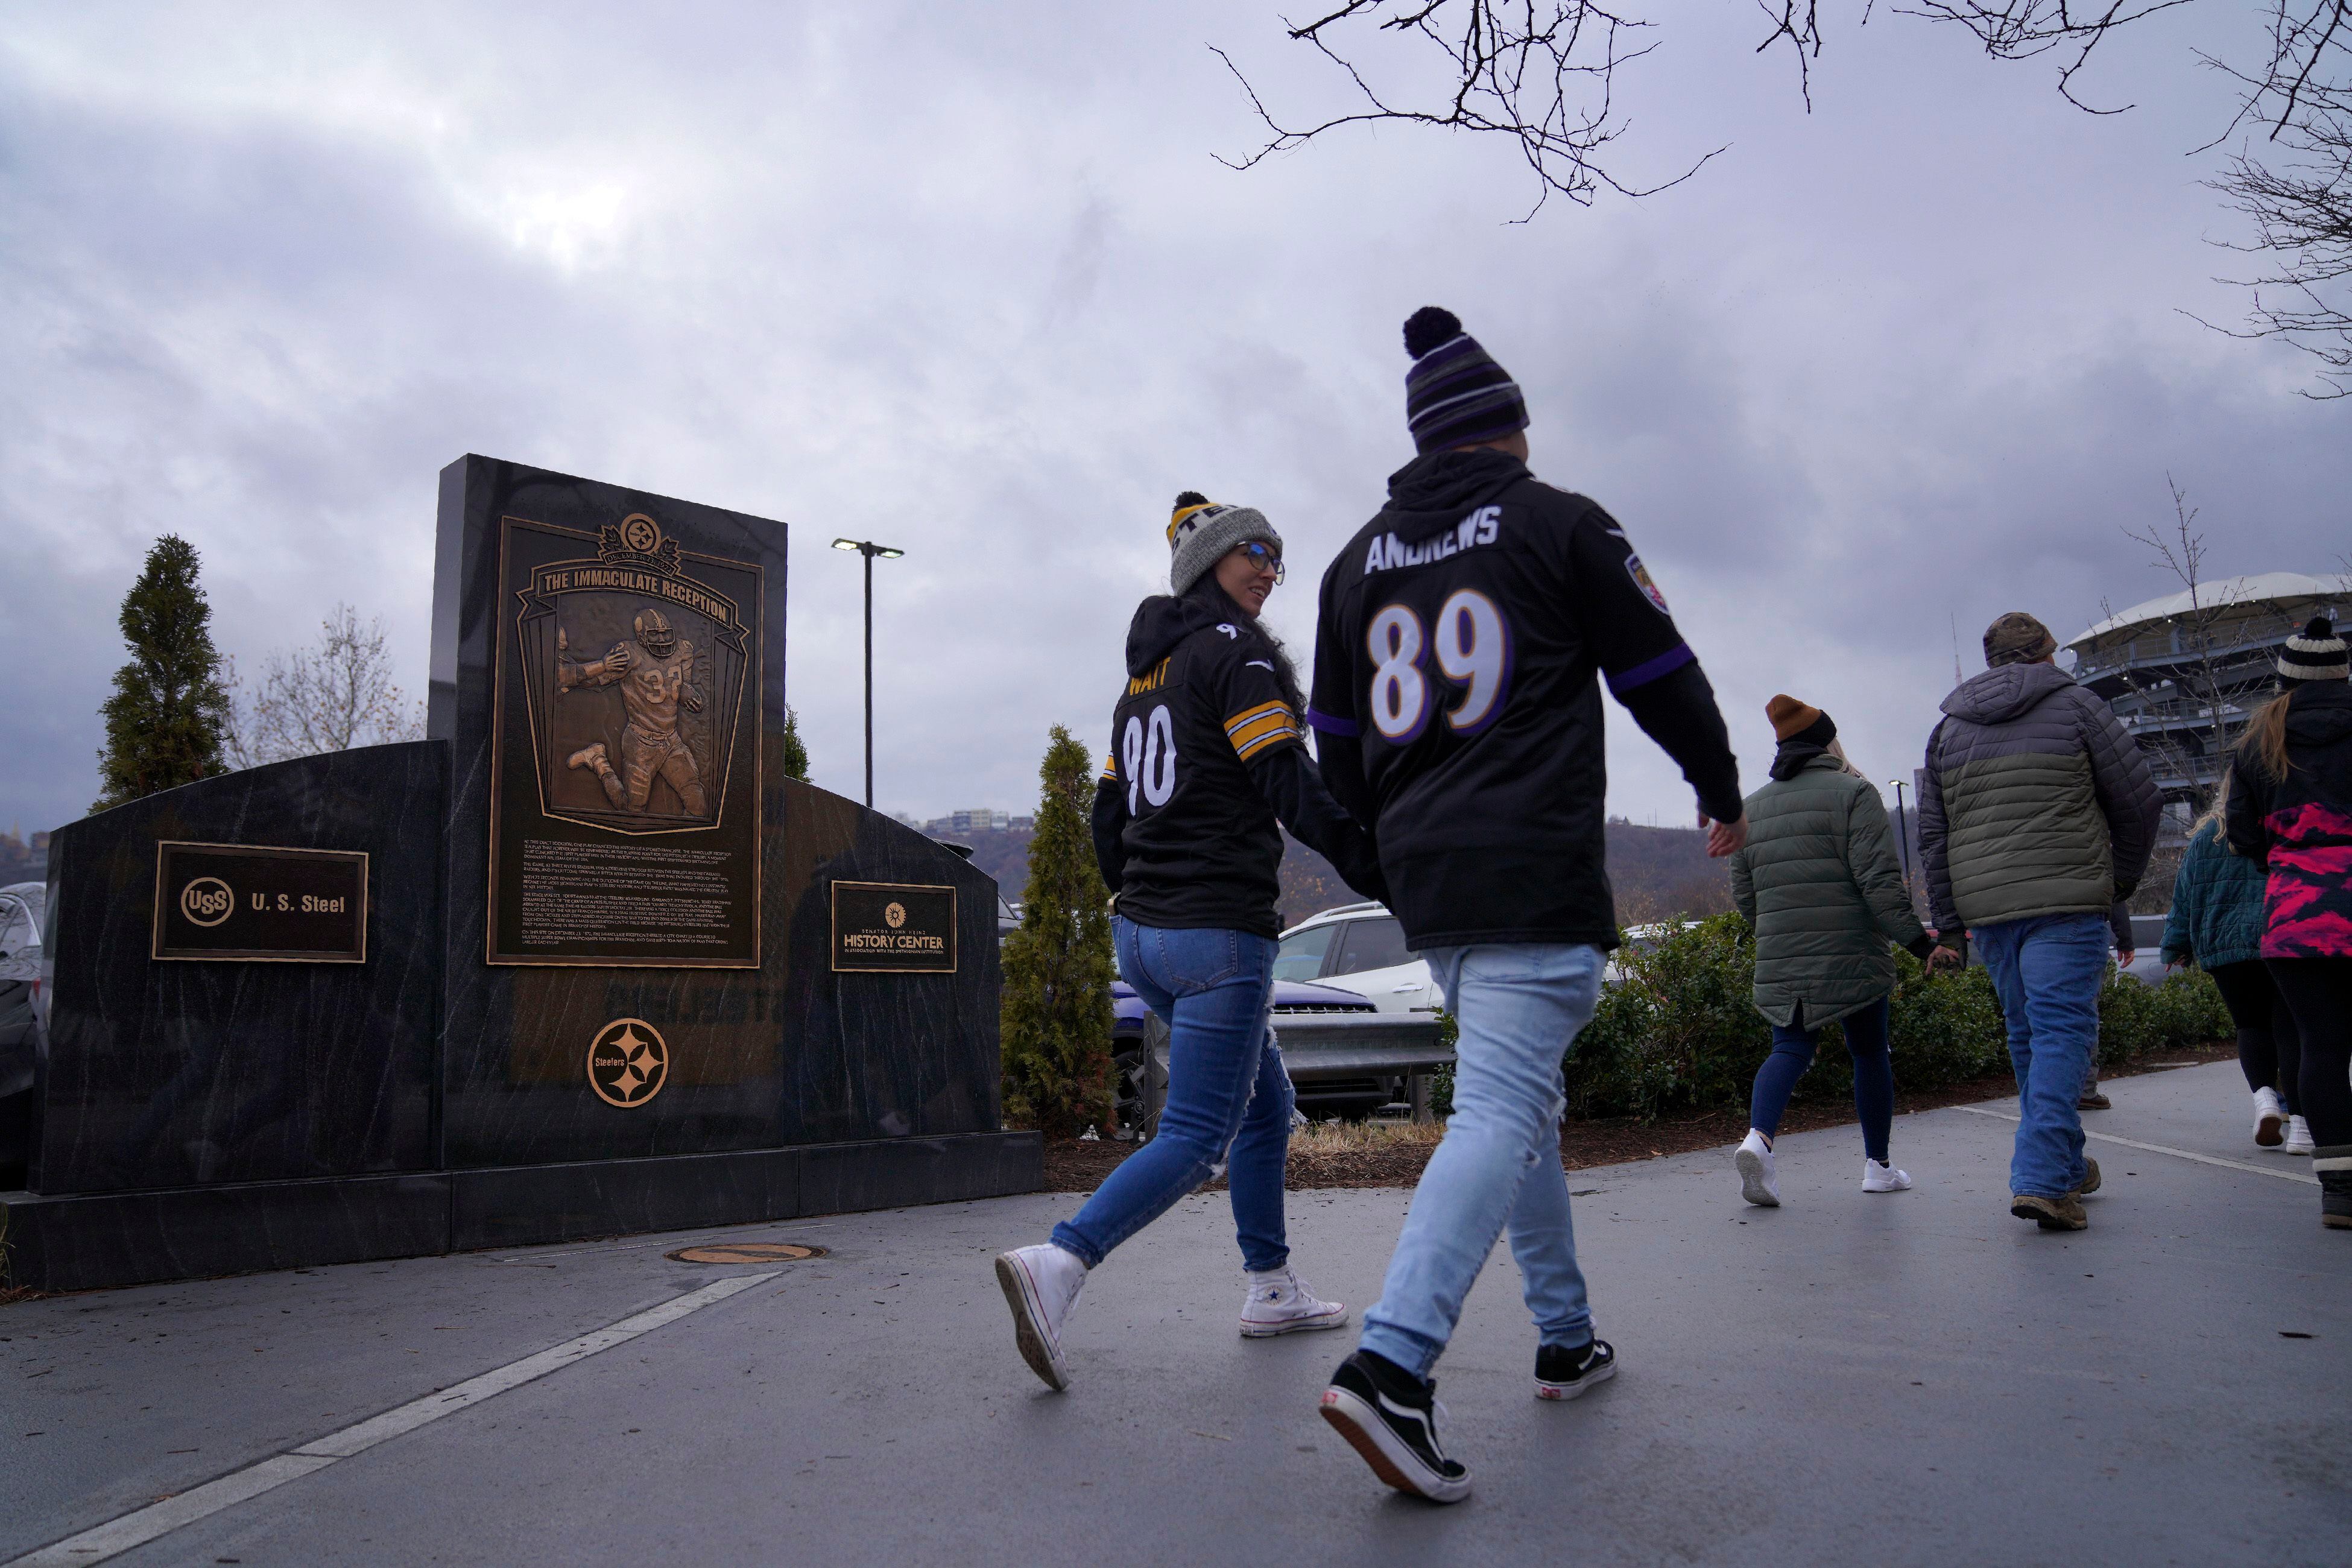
point(1680, 1032)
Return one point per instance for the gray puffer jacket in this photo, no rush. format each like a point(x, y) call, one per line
point(1818, 882)
point(2036, 802)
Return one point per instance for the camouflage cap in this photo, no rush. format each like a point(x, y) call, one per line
point(2017, 638)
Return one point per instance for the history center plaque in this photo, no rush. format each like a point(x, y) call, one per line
point(894, 927)
point(624, 774)
point(260, 903)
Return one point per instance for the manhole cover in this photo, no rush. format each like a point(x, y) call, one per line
point(746, 1252)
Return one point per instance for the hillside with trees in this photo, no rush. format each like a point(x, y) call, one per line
point(1657, 872)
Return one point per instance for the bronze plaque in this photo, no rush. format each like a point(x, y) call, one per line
point(258, 903)
point(624, 774)
point(894, 928)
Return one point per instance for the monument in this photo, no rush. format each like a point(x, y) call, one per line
point(583, 962)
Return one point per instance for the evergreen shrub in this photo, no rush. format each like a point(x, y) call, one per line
point(1678, 1033)
point(1058, 967)
point(168, 718)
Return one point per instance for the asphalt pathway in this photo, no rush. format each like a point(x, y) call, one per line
point(1907, 1378)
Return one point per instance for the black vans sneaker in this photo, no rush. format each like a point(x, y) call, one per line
point(2333, 1166)
point(1390, 1417)
point(1563, 1372)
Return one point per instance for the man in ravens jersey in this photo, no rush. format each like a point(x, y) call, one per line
point(1458, 644)
point(1206, 759)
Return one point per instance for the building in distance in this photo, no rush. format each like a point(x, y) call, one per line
point(2184, 672)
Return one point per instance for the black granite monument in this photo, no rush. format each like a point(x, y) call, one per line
point(584, 962)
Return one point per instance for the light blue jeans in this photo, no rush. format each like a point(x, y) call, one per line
point(2047, 972)
point(1519, 1008)
point(1229, 1096)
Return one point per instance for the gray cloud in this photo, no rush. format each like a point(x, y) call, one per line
point(970, 282)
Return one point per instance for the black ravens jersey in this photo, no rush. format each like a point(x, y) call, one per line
point(1459, 638)
point(1205, 751)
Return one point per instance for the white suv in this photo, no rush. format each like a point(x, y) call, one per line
point(1358, 948)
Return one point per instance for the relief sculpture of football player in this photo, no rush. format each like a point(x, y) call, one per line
point(655, 673)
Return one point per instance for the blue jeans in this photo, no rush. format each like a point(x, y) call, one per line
point(1874, 1075)
point(1519, 1008)
point(2047, 972)
point(1227, 1090)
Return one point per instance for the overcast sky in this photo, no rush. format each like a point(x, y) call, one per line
point(967, 279)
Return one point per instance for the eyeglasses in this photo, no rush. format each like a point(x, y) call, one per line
point(1260, 558)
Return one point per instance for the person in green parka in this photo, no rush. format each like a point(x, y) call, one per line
point(1818, 885)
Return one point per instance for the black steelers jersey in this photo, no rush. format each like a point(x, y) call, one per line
point(1200, 846)
point(1459, 638)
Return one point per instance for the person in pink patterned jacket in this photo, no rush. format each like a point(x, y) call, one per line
point(2291, 808)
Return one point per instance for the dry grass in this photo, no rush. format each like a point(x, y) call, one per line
point(1340, 1137)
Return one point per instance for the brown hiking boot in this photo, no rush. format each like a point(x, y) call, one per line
point(2093, 1099)
point(2090, 1178)
point(2063, 1212)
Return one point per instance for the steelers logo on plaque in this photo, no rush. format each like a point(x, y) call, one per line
point(627, 1063)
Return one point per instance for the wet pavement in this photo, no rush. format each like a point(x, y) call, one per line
point(1916, 1378)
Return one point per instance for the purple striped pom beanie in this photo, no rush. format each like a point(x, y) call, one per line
point(1456, 395)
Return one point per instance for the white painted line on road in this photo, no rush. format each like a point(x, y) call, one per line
point(118, 1536)
point(2304, 1176)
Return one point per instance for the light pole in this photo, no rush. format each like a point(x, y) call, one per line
point(869, 550)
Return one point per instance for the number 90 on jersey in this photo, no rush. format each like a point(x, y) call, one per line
point(1148, 750)
point(1470, 645)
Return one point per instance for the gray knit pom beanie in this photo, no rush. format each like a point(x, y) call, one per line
point(1202, 531)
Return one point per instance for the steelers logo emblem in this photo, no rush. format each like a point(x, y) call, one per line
point(639, 531)
point(895, 913)
point(627, 1062)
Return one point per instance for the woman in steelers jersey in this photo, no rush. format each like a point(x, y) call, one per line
point(1206, 759)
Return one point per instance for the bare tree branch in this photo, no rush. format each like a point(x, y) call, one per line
point(2213, 687)
point(1542, 75)
point(2297, 199)
point(329, 697)
point(2025, 29)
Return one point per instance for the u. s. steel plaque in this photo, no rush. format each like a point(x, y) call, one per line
point(625, 776)
point(260, 903)
point(894, 927)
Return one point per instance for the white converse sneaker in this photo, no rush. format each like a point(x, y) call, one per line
point(1040, 1285)
point(2270, 1118)
point(1754, 1162)
point(1280, 1302)
point(2298, 1137)
point(1878, 1176)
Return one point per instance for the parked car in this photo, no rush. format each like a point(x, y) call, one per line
point(1346, 1056)
point(1358, 948)
point(21, 906)
point(2147, 936)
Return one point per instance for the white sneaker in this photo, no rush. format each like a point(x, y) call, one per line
point(2270, 1118)
point(1877, 1176)
point(1280, 1304)
point(2298, 1137)
point(1040, 1285)
point(1754, 1162)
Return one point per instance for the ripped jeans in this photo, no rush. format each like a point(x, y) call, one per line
point(1229, 1096)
